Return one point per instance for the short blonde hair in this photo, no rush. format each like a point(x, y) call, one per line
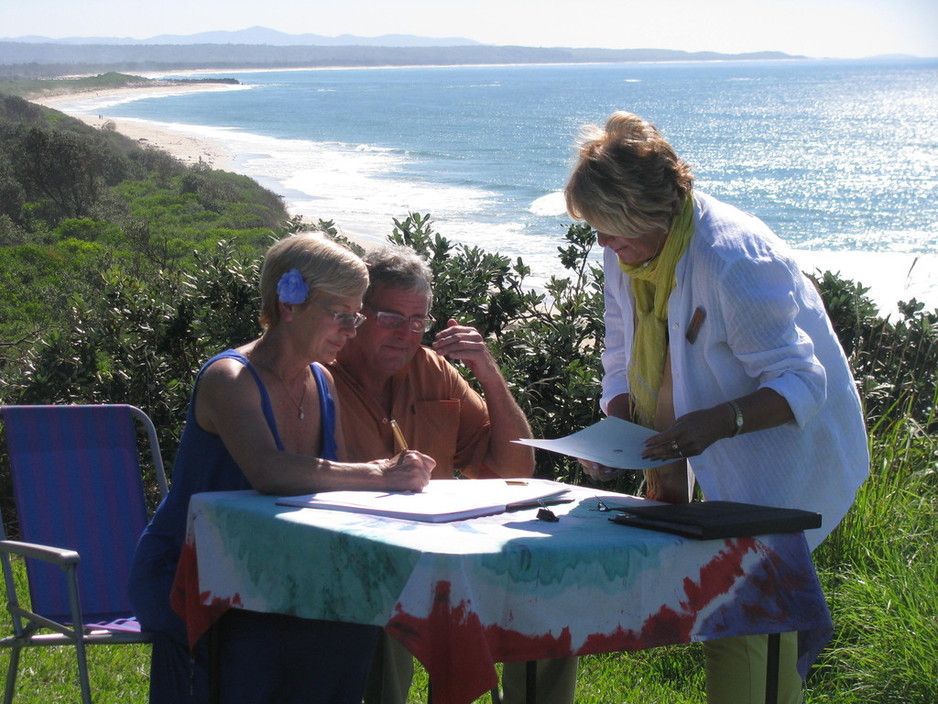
point(324, 265)
point(627, 181)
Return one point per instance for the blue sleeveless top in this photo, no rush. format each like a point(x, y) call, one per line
point(202, 464)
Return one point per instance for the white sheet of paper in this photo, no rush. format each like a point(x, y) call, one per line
point(441, 500)
point(612, 442)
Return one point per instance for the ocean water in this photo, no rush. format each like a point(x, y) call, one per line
point(840, 156)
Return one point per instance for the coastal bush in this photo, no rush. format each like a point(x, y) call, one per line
point(895, 363)
point(130, 340)
point(53, 167)
point(65, 186)
point(88, 230)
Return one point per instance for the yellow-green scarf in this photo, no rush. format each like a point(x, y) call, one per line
point(652, 284)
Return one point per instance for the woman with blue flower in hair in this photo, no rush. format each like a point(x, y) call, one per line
point(263, 416)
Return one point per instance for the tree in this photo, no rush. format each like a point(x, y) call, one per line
point(64, 169)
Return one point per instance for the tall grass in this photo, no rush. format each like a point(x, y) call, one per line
point(880, 573)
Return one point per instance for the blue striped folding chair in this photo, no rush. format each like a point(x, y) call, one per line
point(80, 507)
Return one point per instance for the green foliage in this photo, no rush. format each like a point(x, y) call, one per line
point(75, 202)
point(54, 167)
point(89, 230)
point(895, 363)
point(36, 281)
point(141, 341)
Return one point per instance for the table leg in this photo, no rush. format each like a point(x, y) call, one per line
point(530, 686)
point(214, 664)
point(771, 668)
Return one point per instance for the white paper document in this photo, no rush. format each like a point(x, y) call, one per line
point(612, 442)
point(440, 501)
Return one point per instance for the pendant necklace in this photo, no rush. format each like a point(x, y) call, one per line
point(301, 414)
point(299, 406)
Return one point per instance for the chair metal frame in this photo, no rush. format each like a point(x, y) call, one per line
point(74, 632)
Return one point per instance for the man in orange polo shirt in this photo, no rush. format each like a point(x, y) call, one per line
point(384, 377)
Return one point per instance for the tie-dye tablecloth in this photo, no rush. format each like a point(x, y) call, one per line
point(462, 596)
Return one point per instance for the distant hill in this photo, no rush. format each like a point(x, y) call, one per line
point(24, 59)
point(255, 36)
point(36, 57)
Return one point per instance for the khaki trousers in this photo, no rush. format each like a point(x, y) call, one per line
point(736, 670)
point(393, 669)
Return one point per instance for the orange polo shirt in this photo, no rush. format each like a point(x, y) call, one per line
point(438, 412)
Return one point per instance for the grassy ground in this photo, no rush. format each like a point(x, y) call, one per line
point(879, 571)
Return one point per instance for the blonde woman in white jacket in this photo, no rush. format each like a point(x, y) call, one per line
point(715, 338)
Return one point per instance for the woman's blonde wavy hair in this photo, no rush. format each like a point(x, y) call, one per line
point(325, 265)
point(627, 181)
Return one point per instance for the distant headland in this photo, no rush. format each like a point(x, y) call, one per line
point(261, 48)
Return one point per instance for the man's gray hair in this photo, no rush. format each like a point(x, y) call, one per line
point(397, 267)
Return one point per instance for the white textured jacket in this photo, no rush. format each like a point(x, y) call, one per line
point(764, 326)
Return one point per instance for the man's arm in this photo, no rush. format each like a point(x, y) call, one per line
point(508, 422)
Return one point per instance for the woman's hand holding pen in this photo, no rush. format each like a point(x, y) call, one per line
point(408, 471)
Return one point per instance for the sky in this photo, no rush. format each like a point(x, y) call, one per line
point(816, 28)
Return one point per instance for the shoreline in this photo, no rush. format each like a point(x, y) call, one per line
point(181, 143)
point(890, 276)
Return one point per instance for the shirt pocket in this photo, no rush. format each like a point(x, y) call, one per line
point(437, 430)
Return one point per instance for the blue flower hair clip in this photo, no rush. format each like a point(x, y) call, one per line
point(292, 288)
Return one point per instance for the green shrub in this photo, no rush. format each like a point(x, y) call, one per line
point(895, 363)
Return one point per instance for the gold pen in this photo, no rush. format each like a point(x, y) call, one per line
point(398, 436)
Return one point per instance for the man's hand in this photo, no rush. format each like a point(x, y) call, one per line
point(466, 344)
point(600, 472)
point(507, 422)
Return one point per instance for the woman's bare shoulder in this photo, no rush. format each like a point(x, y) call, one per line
point(223, 371)
point(225, 386)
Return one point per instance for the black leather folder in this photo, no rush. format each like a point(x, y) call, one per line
point(707, 520)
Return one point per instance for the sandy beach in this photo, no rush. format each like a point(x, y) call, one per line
point(890, 276)
point(180, 142)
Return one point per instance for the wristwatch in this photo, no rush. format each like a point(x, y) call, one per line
point(738, 420)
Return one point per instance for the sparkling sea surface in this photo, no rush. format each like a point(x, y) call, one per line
point(839, 156)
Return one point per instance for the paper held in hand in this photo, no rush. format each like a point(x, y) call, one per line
point(441, 500)
point(612, 442)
